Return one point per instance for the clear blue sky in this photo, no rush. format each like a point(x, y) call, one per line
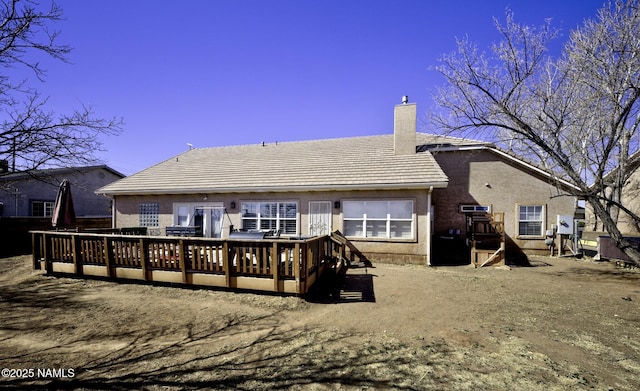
point(217, 73)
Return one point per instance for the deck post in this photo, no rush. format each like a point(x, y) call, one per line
point(48, 266)
point(77, 259)
point(275, 266)
point(225, 264)
point(36, 250)
point(108, 258)
point(144, 253)
point(296, 266)
point(181, 259)
point(309, 251)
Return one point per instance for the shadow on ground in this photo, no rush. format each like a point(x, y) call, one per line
point(352, 285)
point(235, 351)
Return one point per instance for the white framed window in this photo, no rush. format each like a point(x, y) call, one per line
point(149, 215)
point(475, 208)
point(385, 219)
point(270, 215)
point(531, 220)
point(42, 208)
point(182, 215)
point(207, 216)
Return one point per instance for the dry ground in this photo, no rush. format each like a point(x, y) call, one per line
point(563, 324)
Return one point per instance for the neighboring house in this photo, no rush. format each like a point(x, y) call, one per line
point(33, 194)
point(595, 239)
point(630, 199)
point(398, 198)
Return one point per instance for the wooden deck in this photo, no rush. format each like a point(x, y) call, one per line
point(279, 265)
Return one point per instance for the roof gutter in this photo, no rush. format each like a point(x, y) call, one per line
point(454, 148)
point(281, 189)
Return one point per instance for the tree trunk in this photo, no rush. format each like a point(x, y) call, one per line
point(611, 227)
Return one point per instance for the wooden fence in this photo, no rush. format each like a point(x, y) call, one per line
point(15, 237)
point(279, 265)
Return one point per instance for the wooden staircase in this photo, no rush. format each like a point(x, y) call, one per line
point(354, 255)
point(487, 236)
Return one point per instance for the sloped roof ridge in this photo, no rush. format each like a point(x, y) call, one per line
point(58, 170)
point(459, 140)
point(455, 141)
point(446, 136)
point(277, 142)
point(247, 145)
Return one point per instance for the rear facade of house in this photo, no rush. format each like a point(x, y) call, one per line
point(406, 197)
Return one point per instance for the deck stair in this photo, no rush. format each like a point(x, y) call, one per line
point(346, 258)
point(487, 238)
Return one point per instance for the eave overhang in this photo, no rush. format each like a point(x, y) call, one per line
point(282, 189)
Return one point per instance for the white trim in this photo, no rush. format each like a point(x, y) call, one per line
point(51, 204)
point(330, 215)
point(429, 230)
point(454, 148)
point(475, 208)
point(364, 219)
point(191, 209)
point(279, 189)
point(114, 213)
point(278, 219)
point(543, 222)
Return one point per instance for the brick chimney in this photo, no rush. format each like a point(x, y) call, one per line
point(404, 128)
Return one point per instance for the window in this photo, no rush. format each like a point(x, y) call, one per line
point(207, 217)
point(378, 219)
point(475, 208)
point(149, 214)
point(267, 216)
point(530, 220)
point(182, 215)
point(42, 208)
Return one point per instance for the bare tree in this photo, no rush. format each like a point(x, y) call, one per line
point(31, 136)
point(576, 115)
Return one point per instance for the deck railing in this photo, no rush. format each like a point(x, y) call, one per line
point(279, 265)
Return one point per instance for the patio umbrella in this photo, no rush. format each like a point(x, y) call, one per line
point(63, 213)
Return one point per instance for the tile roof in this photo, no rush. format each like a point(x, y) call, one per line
point(330, 164)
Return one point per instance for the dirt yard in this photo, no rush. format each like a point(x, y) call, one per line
point(563, 324)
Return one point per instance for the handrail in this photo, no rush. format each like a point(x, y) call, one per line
point(300, 261)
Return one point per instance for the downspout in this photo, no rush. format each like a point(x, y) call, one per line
point(113, 211)
point(428, 241)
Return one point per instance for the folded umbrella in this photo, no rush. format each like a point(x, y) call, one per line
point(63, 213)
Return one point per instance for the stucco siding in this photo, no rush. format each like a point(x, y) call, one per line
point(403, 251)
point(484, 178)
